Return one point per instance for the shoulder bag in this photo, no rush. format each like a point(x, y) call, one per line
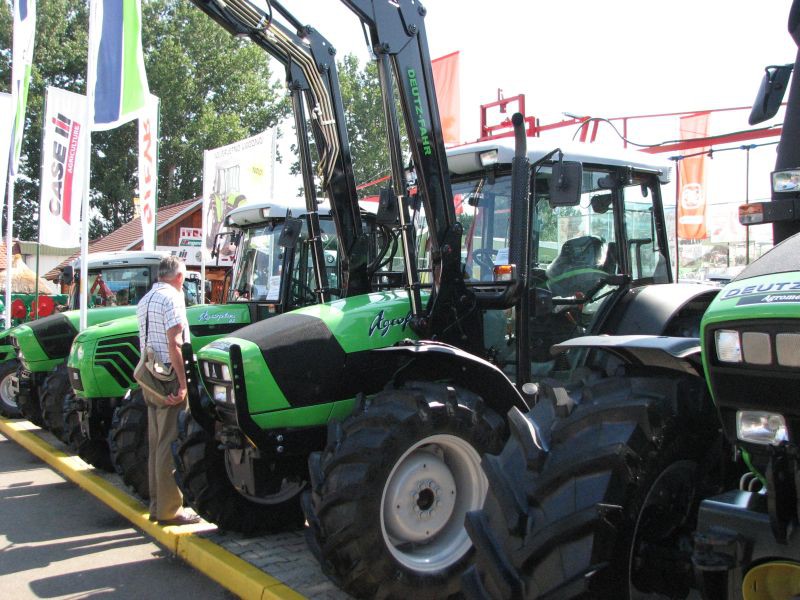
point(158, 379)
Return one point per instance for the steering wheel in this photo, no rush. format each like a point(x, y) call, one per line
point(484, 257)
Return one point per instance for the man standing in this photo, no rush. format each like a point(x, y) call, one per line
point(164, 328)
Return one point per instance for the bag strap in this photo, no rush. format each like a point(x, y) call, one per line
point(147, 320)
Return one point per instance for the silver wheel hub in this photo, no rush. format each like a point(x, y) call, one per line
point(428, 493)
point(420, 498)
point(8, 389)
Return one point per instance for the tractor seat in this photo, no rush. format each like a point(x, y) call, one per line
point(580, 263)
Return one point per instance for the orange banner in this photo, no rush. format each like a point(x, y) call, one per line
point(446, 81)
point(692, 180)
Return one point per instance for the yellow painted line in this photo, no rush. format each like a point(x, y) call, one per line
point(230, 571)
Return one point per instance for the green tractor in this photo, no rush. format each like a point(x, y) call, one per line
point(106, 417)
point(117, 281)
point(636, 480)
point(378, 409)
point(282, 262)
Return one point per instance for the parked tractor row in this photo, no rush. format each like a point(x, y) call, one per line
point(491, 387)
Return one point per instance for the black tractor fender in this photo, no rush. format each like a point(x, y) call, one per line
point(680, 354)
point(435, 361)
point(673, 309)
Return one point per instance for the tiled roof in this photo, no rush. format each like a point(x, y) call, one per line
point(130, 234)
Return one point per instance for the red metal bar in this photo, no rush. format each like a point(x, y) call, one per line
point(728, 138)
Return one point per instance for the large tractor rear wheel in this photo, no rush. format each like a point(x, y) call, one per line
point(55, 388)
point(391, 490)
point(128, 443)
point(596, 492)
point(202, 476)
point(28, 397)
point(8, 389)
point(93, 451)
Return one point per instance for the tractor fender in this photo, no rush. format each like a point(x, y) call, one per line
point(680, 354)
point(664, 309)
point(434, 361)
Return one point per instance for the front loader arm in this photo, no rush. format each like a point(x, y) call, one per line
point(397, 34)
point(311, 77)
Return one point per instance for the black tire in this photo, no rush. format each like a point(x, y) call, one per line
point(93, 451)
point(428, 436)
point(28, 397)
point(595, 494)
point(202, 477)
point(55, 388)
point(128, 443)
point(8, 394)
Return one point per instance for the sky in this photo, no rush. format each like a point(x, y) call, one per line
point(604, 59)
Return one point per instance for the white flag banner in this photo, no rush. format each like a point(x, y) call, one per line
point(232, 176)
point(148, 171)
point(22, 59)
point(64, 138)
point(6, 104)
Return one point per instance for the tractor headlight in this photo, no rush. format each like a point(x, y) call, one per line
point(729, 347)
point(220, 393)
point(488, 158)
point(226, 373)
point(760, 427)
point(80, 352)
point(786, 181)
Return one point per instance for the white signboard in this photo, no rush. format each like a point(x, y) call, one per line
point(148, 172)
point(232, 176)
point(63, 173)
point(190, 246)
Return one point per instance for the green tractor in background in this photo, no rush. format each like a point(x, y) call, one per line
point(377, 409)
point(117, 281)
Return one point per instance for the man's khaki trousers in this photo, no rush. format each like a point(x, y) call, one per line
point(166, 499)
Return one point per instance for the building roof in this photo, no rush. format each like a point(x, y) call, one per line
point(130, 234)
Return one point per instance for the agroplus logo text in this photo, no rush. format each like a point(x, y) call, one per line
point(381, 324)
point(62, 166)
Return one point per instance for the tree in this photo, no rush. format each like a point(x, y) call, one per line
point(214, 89)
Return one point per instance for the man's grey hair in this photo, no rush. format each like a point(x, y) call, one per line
point(170, 267)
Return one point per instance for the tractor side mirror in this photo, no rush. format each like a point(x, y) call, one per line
point(565, 184)
point(291, 233)
point(770, 93)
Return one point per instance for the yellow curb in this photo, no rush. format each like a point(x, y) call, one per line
point(230, 571)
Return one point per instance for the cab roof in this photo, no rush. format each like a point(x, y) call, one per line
point(466, 159)
point(254, 213)
point(135, 258)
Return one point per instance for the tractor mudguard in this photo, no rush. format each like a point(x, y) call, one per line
point(674, 353)
point(434, 361)
point(664, 309)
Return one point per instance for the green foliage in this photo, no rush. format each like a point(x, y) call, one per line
point(214, 90)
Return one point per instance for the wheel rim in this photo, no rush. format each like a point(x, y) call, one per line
point(660, 561)
point(7, 389)
point(425, 499)
point(289, 488)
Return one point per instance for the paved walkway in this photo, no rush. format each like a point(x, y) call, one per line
point(273, 566)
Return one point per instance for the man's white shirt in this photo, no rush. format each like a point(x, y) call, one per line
point(165, 307)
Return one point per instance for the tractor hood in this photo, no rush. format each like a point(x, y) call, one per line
point(46, 342)
point(103, 357)
point(310, 357)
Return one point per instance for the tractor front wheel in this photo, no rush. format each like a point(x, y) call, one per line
point(596, 492)
point(28, 397)
point(93, 451)
point(55, 388)
point(128, 443)
point(202, 475)
point(8, 389)
point(392, 488)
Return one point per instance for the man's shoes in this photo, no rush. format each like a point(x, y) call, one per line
point(185, 518)
point(152, 518)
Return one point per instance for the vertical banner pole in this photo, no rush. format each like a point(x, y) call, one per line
point(9, 233)
point(204, 226)
point(677, 228)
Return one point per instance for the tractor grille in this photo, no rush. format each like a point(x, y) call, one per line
point(118, 356)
